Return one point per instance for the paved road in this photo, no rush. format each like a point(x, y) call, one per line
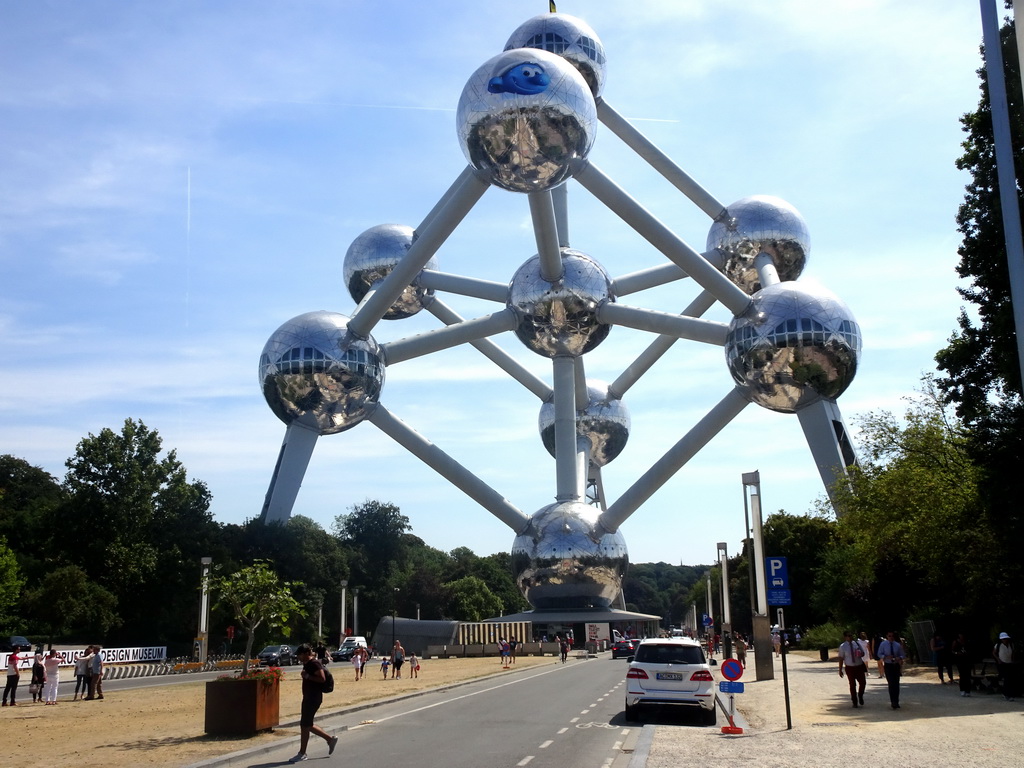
point(549, 717)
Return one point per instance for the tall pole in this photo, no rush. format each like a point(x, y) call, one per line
point(344, 605)
point(204, 610)
point(355, 610)
point(764, 664)
point(1007, 176)
point(723, 560)
point(711, 615)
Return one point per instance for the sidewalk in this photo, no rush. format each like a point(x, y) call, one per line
point(934, 725)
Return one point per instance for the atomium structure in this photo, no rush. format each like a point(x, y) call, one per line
point(526, 122)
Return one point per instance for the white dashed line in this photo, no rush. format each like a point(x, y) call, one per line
point(525, 760)
point(546, 744)
point(562, 731)
point(574, 720)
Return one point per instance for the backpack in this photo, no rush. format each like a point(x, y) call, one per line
point(327, 686)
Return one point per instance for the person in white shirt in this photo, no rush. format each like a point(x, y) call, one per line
point(891, 652)
point(52, 666)
point(1006, 665)
point(852, 658)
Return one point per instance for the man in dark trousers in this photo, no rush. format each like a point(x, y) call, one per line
point(891, 652)
point(853, 659)
point(312, 697)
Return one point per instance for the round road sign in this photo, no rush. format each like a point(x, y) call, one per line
point(731, 669)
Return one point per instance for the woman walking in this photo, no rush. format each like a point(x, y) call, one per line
point(51, 664)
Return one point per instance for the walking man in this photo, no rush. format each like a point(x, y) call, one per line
point(852, 658)
point(892, 655)
point(1006, 665)
point(313, 679)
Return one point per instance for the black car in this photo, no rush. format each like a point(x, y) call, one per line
point(276, 656)
point(9, 642)
point(622, 648)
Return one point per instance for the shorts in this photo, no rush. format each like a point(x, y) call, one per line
point(310, 704)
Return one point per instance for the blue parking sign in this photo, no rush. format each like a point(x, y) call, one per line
point(776, 573)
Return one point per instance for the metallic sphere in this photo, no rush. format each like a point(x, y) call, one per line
point(315, 372)
point(560, 318)
point(755, 224)
point(563, 561)
point(603, 421)
point(793, 347)
point(568, 37)
point(524, 117)
point(370, 259)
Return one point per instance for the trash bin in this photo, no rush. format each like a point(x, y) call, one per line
point(823, 653)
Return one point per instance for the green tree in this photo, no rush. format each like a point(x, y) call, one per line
point(471, 599)
point(980, 365)
point(257, 598)
point(804, 540)
point(912, 540)
point(66, 599)
point(11, 584)
point(28, 497)
point(138, 527)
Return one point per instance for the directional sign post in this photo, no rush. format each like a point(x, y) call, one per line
point(732, 671)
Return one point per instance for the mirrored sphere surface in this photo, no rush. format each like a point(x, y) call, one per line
point(562, 561)
point(314, 371)
point(603, 421)
point(524, 117)
point(560, 318)
point(568, 37)
point(794, 346)
point(370, 259)
point(755, 224)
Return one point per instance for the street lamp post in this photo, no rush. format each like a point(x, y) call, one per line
point(394, 616)
point(355, 610)
point(341, 634)
point(764, 665)
point(723, 559)
point(204, 610)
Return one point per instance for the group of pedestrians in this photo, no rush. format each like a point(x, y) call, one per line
point(890, 654)
point(44, 676)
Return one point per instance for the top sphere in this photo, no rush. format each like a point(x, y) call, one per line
point(793, 347)
point(755, 224)
point(370, 259)
point(524, 117)
point(314, 371)
point(568, 37)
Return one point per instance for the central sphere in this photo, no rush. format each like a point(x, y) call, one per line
point(603, 421)
point(792, 347)
point(524, 117)
point(559, 318)
point(315, 372)
point(563, 562)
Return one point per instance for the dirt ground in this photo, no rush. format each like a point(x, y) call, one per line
point(162, 725)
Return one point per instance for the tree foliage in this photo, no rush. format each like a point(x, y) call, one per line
point(257, 598)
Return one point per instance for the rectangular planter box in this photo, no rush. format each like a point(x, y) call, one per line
point(241, 707)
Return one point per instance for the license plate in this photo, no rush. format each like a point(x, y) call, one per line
point(669, 676)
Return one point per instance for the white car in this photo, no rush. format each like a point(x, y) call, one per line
point(670, 670)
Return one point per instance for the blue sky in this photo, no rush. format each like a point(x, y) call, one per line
point(178, 179)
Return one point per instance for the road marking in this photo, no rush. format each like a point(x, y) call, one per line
point(617, 746)
point(525, 760)
point(465, 696)
point(625, 731)
point(575, 719)
point(584, 711)
point(546, 744)
point(560, 732)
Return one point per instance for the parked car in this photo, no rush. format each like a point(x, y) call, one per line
point(622, 648)
point(276, 656)
point(348, 647)
point(8, 643)
point(673, 671)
